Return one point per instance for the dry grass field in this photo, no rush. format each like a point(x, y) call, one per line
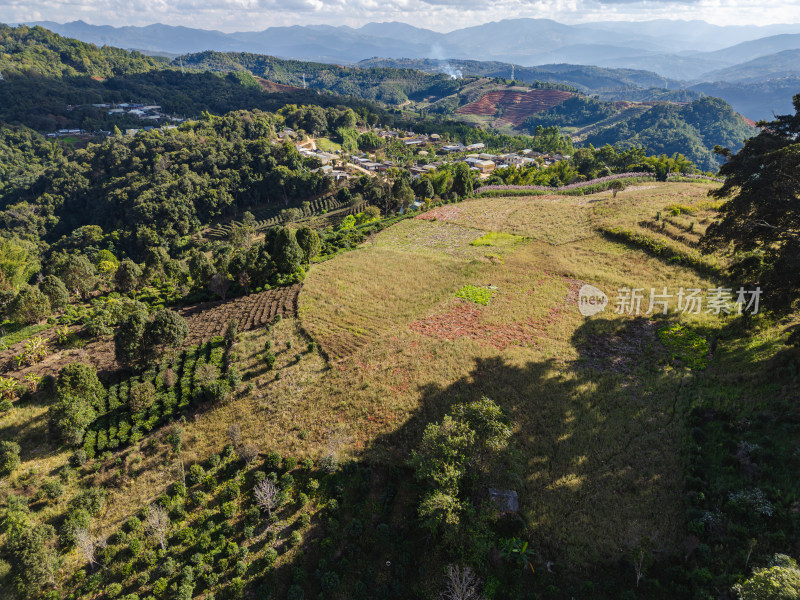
point(601, 446)
point(593, 400)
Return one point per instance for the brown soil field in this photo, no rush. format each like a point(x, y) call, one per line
point(517, 106)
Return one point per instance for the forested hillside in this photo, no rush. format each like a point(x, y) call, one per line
point(37, 51)
point(166, 183)
point(693, 129)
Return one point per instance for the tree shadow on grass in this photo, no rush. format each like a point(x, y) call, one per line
point(598, 442)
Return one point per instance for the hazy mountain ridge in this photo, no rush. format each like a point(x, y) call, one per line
point(678, 49)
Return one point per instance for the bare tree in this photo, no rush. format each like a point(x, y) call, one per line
point(266, 494)
point(158, 524)
point(219, 285)
point(248, 453)
point(235, 434)
point(462, 584)
point(87, 544)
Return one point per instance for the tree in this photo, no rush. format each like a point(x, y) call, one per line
point(444, 453)
point(55, 290)
point(402, 193)
point(247, 452)
point(155, 263)
point(9, 458)
point(87, 544)
point(128, 348)
point(219, 285)
point(17, 265)
point(287, 252)
point(80, 379)
point(78, 274)
point(308, 239)
point(369, 141)
point(34, 559)
point(29, 306)
point(761, 218)
point(616, 186)
point(166, 329)
point(70, 415)
point(157, 523)
point(267, 494)
point(463, 180)
point(141, 396)
point(201, 268)
point(461, 584)
point(778, 581)
point(440, 509)
point(423, 188)
point(128, 276)
point(489, 423)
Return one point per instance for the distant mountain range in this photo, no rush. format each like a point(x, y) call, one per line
point(678, 49)
point(684, 54)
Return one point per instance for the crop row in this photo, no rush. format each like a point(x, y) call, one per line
point(176, 387)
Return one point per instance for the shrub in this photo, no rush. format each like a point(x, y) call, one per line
point(29, 306)
point(295, 539)
point(141, 396)
point(55, 290)
point(113, 590)
point(269, 359)
point(273, 461)
point(227, 509)
point(295, 593)
point(160, 587)
point(9, 458)
point(195, 474)
point(78, 458)
point(52, 489)
point(289, 463)
point(329, 581)
point(270, 556)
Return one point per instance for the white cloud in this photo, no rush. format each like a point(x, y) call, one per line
point(441, 15)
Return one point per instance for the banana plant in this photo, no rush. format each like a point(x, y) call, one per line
point(517, 551)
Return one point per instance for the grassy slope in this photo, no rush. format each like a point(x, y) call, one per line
point(602, 448)
point(594, 401)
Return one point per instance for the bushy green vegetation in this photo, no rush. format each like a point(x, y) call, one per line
point(37, 51)
point(134, 406)
point(693, 130)
point(684, 344)
point(473, 293)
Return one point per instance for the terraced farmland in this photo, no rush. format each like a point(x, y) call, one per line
point(211, 319)
point(516, 106)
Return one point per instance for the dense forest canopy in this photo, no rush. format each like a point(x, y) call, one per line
point(37, 51)
point(161, 185)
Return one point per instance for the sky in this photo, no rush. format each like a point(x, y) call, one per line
point(439, 15)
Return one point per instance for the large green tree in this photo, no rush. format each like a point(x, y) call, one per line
point(761, 216)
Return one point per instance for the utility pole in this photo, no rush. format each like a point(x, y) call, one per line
point(512, 72)
point(180, 58)
point(304, 81)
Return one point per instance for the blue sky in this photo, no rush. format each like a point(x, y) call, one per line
point(440, 15)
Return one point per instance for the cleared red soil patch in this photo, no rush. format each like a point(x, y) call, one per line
point(517, 106)
point(443, 213)
point(464, 320)
point(271, 86)
point(747, 121)
point(210, 319)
